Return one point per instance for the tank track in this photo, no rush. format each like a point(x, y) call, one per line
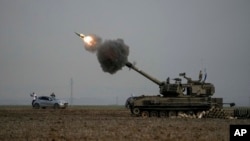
point(214, 112)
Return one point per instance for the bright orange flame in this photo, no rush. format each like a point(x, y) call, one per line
point(89, 40)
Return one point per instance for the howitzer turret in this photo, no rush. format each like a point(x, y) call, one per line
point(191, 88)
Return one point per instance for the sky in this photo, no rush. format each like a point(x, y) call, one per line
point(39, 51)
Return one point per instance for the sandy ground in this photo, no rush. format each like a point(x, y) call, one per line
point(105, 123)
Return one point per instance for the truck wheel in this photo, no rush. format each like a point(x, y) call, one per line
point(36, 106)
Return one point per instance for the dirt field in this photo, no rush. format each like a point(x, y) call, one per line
point(104, 124)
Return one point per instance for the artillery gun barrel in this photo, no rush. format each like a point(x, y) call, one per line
point(131, 66)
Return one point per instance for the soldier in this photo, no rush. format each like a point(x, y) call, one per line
point(200, 75)
point(53, 95)
point(34, 97)
point(168, 80)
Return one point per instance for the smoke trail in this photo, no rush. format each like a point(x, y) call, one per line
point(112, 55)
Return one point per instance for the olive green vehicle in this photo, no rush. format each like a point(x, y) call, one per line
point(191, 98)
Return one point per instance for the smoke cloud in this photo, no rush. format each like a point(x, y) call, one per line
point(111, 54)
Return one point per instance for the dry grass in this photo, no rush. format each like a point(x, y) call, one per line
point(105, 124)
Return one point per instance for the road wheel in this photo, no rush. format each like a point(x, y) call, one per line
point(172, 114)
point(136, 111)
point(56, 106)
point(162, 114)
point(145, 114)
point(36, 106)
point(154, 114)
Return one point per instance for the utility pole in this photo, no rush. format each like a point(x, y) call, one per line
point(71, 91)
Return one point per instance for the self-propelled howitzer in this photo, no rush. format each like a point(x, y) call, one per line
point(192, 97)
